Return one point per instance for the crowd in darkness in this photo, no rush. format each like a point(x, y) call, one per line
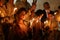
point(24, 23)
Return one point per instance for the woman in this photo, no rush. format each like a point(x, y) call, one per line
point(20, 28)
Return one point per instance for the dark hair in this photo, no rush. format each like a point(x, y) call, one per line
point(16, 16)
point(46, 3)
point(20, 10)
point(39, 12)
point(58, 7)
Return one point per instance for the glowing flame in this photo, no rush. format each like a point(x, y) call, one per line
point(55, 13)
point(46, 22)
point(15, 9)
point(31, 21)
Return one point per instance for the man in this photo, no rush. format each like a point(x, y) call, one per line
point(46, 11)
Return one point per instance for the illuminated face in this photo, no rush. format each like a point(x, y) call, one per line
point(22, 14)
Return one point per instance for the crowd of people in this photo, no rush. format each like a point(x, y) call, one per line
point(28, 24)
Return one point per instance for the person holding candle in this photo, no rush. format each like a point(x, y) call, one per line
point(21, 27)
point(50, 26)
point(30, 13)
point(37, 25)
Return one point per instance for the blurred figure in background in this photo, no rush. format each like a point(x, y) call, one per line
point(57, 18)
point(28, 17)
point(59, 9)
point(7, 10)
point(2, 10)
point(52, 26)
point(37, 25)
point(46, 11)
point(30, 13)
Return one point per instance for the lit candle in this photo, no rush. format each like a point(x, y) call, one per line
point(31, 21)
point(14, 11)
point(45, 22)
point(55, 13)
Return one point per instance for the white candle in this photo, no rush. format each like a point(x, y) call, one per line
point(31, 21)
point(14, 11)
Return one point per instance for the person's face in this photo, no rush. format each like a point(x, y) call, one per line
point(22, 14)
point(46, 6)
point(33, 7)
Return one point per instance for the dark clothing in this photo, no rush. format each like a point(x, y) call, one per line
point(44, 16)
point(6, 27)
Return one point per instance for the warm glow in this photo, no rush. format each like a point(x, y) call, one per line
point(46, 22)
point(14, 11)
point(55, 13)
point(31, 21)
point(57, 17)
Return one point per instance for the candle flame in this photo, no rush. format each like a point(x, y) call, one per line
point(15, 9)
point(46, 22)
point(55, 13)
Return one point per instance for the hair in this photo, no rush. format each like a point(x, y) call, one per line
point(20, 10)
point(39, 12)
point(46, 3)
point(34, 4)
point(6, 1)
point(18, 13)
point(58, 7)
